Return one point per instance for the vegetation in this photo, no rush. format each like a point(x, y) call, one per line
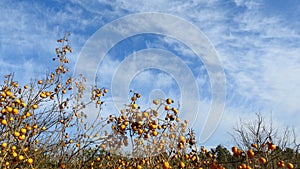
point(44, 125)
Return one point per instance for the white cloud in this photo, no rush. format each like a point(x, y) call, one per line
point(250, 4)
point(265, 64)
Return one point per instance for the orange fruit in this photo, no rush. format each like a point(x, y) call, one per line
point(154, 133)
point(3, 145)
point(167, 107)
point(271, 146)
point(15, 111)
point(250, 153)
point(181, 164)
point(16, 134)
point(30, 161)
point(169, 101)
point(34, 106)
point(134, 106)
point(175, 110)
point(166, 165)
point(290, 166)
point(21, 158)
point(122, 127)
point(4, 122)
point(155, 102)
point(262, 160)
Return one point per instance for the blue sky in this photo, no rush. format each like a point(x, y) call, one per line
point(258, 43)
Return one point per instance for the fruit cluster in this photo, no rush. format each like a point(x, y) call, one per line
point(258, 155)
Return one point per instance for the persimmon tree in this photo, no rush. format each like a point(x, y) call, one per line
point(259, 144)
point(44, 124)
